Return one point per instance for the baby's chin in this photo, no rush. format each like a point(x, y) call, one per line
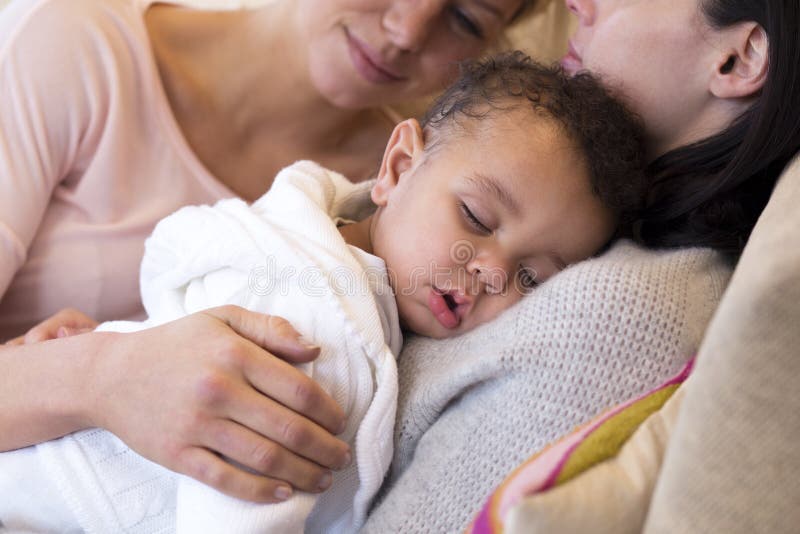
point(433, 331)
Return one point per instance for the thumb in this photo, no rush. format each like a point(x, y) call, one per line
point(271, 332)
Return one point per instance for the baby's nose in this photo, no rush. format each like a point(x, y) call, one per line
point(492, 277)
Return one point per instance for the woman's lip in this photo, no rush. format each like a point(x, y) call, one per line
point(572, 62)
point(366, 62)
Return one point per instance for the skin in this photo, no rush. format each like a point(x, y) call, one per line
point(419, 42)
point(669, 63)
point(229, 114)
point(220, 382)
point(440, 230)
point(65, 323)
point(223, 383)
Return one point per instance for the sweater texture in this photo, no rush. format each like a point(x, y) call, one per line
point(472, 408)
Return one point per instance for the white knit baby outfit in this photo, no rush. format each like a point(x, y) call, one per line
point(283, 255)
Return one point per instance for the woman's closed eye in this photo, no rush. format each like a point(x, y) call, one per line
point(465, 22)
point(474, 221)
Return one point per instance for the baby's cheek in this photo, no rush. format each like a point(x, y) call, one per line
point(497, 304)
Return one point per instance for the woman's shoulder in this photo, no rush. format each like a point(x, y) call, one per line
point(629, 295)
point(72, 58)
point(26, 13)
point(471, 408)
point(68, 26)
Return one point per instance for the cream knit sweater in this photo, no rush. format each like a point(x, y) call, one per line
point(472, 408)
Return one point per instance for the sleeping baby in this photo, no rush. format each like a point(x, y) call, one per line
point(516, 172)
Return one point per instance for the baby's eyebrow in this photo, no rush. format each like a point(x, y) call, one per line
point(488, 185)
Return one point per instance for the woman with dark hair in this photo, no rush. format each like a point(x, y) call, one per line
point(717, 83)
point(710, 192)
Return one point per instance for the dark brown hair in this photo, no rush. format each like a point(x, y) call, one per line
point(608, 134)
point(712, 192)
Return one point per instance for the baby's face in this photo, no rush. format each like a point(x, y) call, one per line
point(469, 228)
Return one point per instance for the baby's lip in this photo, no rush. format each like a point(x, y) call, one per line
point(462, 302)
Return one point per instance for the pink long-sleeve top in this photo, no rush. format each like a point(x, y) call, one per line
point(91, 157)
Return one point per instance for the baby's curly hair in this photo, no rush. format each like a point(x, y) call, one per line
point(609, 135)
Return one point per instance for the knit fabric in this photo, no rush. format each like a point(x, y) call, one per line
point(282, 255)
point(474, 407)
point(573, 456)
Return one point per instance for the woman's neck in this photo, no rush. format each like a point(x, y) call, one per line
point(247, 67)
point(239, 87)
point(716, 116)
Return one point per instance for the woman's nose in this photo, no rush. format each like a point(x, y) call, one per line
point(408, 23)
point(583, 9)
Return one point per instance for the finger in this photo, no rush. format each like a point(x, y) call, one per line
point(16, 341)
point(289, 429)
point(294, 389)
point(41, 332)
point(67, 331)
point(208, 468)
point(73, 318)
point(66, 318)
point(270, 332)
point(265, 456)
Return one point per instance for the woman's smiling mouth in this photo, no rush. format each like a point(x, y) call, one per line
point(368, 63)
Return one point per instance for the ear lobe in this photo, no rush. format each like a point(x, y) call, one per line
point(741, 68)
point(405, 147)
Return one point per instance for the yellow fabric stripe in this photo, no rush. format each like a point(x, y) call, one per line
point(606, 440)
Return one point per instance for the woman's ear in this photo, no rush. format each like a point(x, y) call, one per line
point(743, 62)
point(405, 147)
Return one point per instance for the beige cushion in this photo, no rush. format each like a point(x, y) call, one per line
point(610, 498)
point(544, 33)
point(733, 463)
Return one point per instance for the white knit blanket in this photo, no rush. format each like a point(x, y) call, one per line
point(282, 255)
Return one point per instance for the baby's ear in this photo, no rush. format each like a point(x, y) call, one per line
point(742, 62)
point(405, 147)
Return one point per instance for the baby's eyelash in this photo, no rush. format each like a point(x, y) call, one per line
point(473, 220)
point(527, 278)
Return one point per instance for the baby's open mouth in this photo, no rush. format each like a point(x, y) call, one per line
point(450, 301)
point(444, 307)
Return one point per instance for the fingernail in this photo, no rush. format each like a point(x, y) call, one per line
point(325, 482)
point(306, 343)
point(342, 426)
point(62, 332)
point(283, 492)
point(347, 459)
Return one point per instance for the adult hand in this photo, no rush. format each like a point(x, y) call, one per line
point(217, 383)
point(67, 322)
